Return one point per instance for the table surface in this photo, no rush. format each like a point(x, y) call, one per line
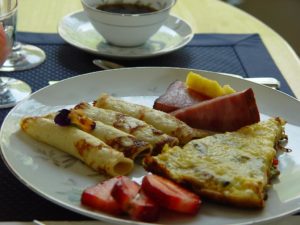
point(205, 16)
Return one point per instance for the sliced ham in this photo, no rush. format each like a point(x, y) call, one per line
point(225, 113)
point(177, 96)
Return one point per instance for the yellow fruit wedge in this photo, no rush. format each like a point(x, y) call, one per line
point(203, 85)
point(228, 90)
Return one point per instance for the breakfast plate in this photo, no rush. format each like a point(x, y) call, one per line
point(61, 179)
point(76, 29)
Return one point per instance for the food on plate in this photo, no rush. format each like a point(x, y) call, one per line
point(211, 142)
point(134, 201)
point(138, 128)
point(170, 195)
point(121, 195)
point(232, 167)
point(99, 197)
point(141, 202)
point(208, 87)
point(160, 120)
point(129, 145)
point(225, 113)
point(124, 191)
point(82, 145)
point(67, 117)
point(123, 142)
point(195, 89)
point(177, 96)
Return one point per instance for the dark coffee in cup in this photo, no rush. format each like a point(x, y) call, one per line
point(126, 8)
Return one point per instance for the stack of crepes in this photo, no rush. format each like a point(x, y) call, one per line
point(117, 134)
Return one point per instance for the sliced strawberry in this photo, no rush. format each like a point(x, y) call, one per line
point(143, 208)
point(170, 195)
point(139, 206)
point(124, 191)
point(99, 197)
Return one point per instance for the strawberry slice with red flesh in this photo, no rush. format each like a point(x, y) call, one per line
point(225, 113)
point(143, 208)
point(124, 191)
point(138, 205)
point(170, 195)
point(99, 197)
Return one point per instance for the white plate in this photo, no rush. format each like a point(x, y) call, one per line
point(61, 179)
point(79, 32)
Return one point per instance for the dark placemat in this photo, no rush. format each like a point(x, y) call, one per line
point(242, 54)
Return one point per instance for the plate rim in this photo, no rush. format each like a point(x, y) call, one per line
point(186, 39)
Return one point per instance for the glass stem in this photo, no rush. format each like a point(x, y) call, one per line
point(3, 86)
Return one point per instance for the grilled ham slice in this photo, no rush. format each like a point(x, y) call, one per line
point(220, 114)
point(178, 96)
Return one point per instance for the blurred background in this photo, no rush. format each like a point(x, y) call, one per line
point(283, 16)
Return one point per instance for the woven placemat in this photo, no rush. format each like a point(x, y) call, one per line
point(243, 54)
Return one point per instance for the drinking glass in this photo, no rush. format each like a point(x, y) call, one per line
point(23, 56)
point(11, 90)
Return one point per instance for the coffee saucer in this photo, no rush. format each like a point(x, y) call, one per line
point(76, 29)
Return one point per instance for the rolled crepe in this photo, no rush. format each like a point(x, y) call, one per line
point(121, 141)
point(84, 146)
point(126, 143)
point(158, 119)
point(137, 128)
